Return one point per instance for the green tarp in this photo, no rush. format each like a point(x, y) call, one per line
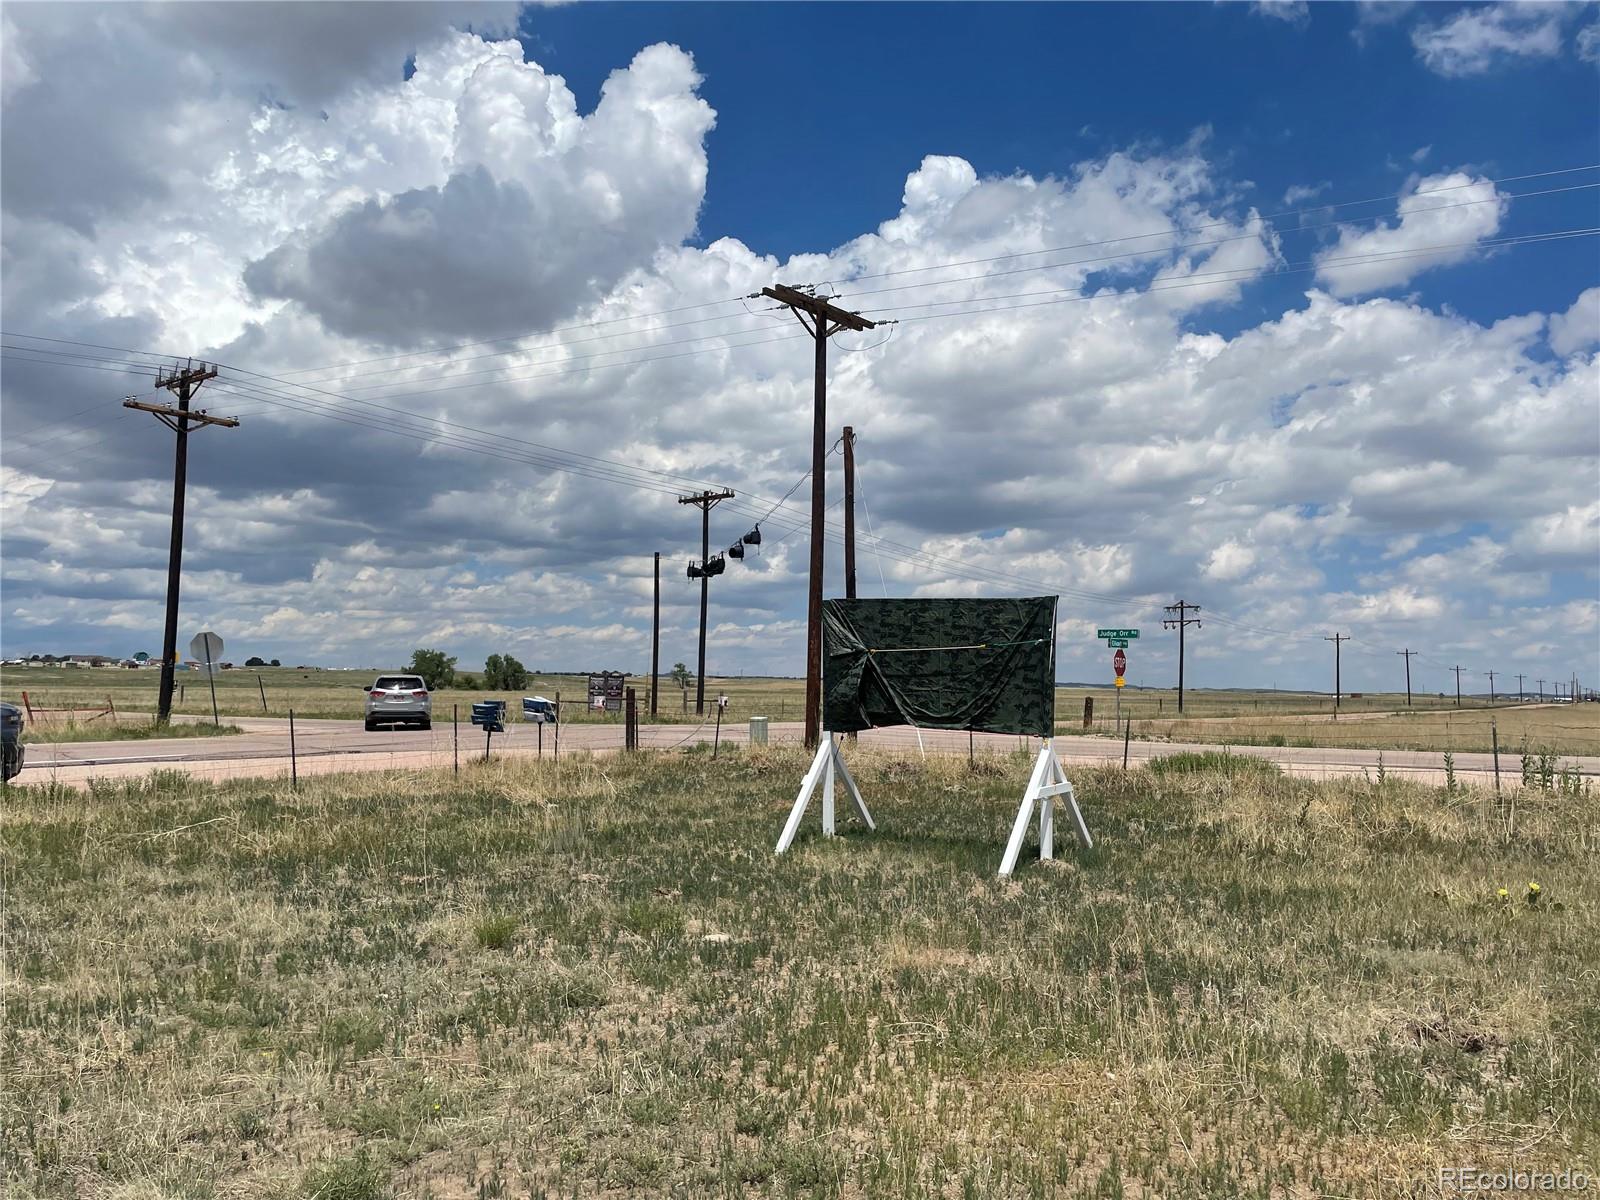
point(985, 665)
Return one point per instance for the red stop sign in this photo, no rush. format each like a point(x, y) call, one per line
point(1120, 661)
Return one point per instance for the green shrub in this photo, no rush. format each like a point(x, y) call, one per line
point(353, 1177)
point(1214, 761)
point(495, 933)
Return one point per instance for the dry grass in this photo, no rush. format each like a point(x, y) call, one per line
point(1553, 729)
point(339, 694)
point(595, 980)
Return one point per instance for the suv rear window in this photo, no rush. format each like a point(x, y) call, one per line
point(396, 683)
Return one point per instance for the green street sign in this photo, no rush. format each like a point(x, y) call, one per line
point(1117, 643)
point(1116, 633)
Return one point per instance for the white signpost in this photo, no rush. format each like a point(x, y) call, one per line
point(207, 648)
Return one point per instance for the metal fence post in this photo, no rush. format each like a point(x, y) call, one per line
point(263, 688)
point(455, 736)
point(294, 762)
point(1494, 740)
point(1127, 732)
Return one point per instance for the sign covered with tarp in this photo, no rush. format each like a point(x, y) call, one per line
point(983, 665)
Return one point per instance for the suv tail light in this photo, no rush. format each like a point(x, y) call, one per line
point(414, 692)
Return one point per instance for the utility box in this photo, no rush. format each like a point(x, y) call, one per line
point(758, 731)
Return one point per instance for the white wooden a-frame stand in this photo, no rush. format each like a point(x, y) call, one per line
point(823, 766)
point(1046, 783)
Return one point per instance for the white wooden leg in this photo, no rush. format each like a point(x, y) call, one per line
point(1019, 827)
point(1047, 828)
point(1077, 815)
point(855, 792)
point(1072, 801)
point(807, 786)
point(832, 748)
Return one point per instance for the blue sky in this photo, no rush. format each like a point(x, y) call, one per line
point(854, 96)
point(1407, 449)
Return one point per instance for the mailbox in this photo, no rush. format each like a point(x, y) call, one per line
point(491, 714)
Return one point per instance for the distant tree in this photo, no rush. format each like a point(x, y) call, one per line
point(466, 682)
point(276, 663)
point(438, 670)
point(253, 661)
point(503, 673)
point(680, 675)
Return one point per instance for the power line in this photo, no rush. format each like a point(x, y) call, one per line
point(1243, 274)
point(1187, 246)
point(515, 337)
point(970, 262)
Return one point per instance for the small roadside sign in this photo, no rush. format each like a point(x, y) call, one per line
point(1116, 633)
point(1121, 682)
point(1120, 661)
point(1117, 643)
point(206, 648)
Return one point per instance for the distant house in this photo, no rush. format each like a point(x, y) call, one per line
point(90, 660)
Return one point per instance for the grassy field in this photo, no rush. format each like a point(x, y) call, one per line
point(339, 694)
point(1557, 729)
point(594, 979)
point(125, 729)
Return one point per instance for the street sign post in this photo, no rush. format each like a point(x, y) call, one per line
point(1119, 661)
point(207, 648)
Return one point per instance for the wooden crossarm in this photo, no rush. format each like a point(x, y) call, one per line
point(197, 416)
point(820, 309)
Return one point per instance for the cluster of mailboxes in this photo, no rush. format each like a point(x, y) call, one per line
point(490, 714)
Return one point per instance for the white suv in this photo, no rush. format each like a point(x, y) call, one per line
point(399, 700)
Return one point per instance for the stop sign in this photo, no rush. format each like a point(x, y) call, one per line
point(1120, 661)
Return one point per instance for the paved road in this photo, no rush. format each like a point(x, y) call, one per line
point(323, 746)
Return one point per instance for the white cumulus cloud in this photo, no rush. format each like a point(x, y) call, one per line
point(1440, 219)
point(1479, 38)
point(1579, 327)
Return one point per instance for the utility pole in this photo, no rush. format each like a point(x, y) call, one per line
point(1180, 623)
point(1541, 691)
point(826, 320)
point(655, 641)
point(182, 382)
point(1519, 688)
point(705, 502)
point(849, 512)
point(1338, 639)
point(1407, 654)
point(1491, 687)
point(1457, 670)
